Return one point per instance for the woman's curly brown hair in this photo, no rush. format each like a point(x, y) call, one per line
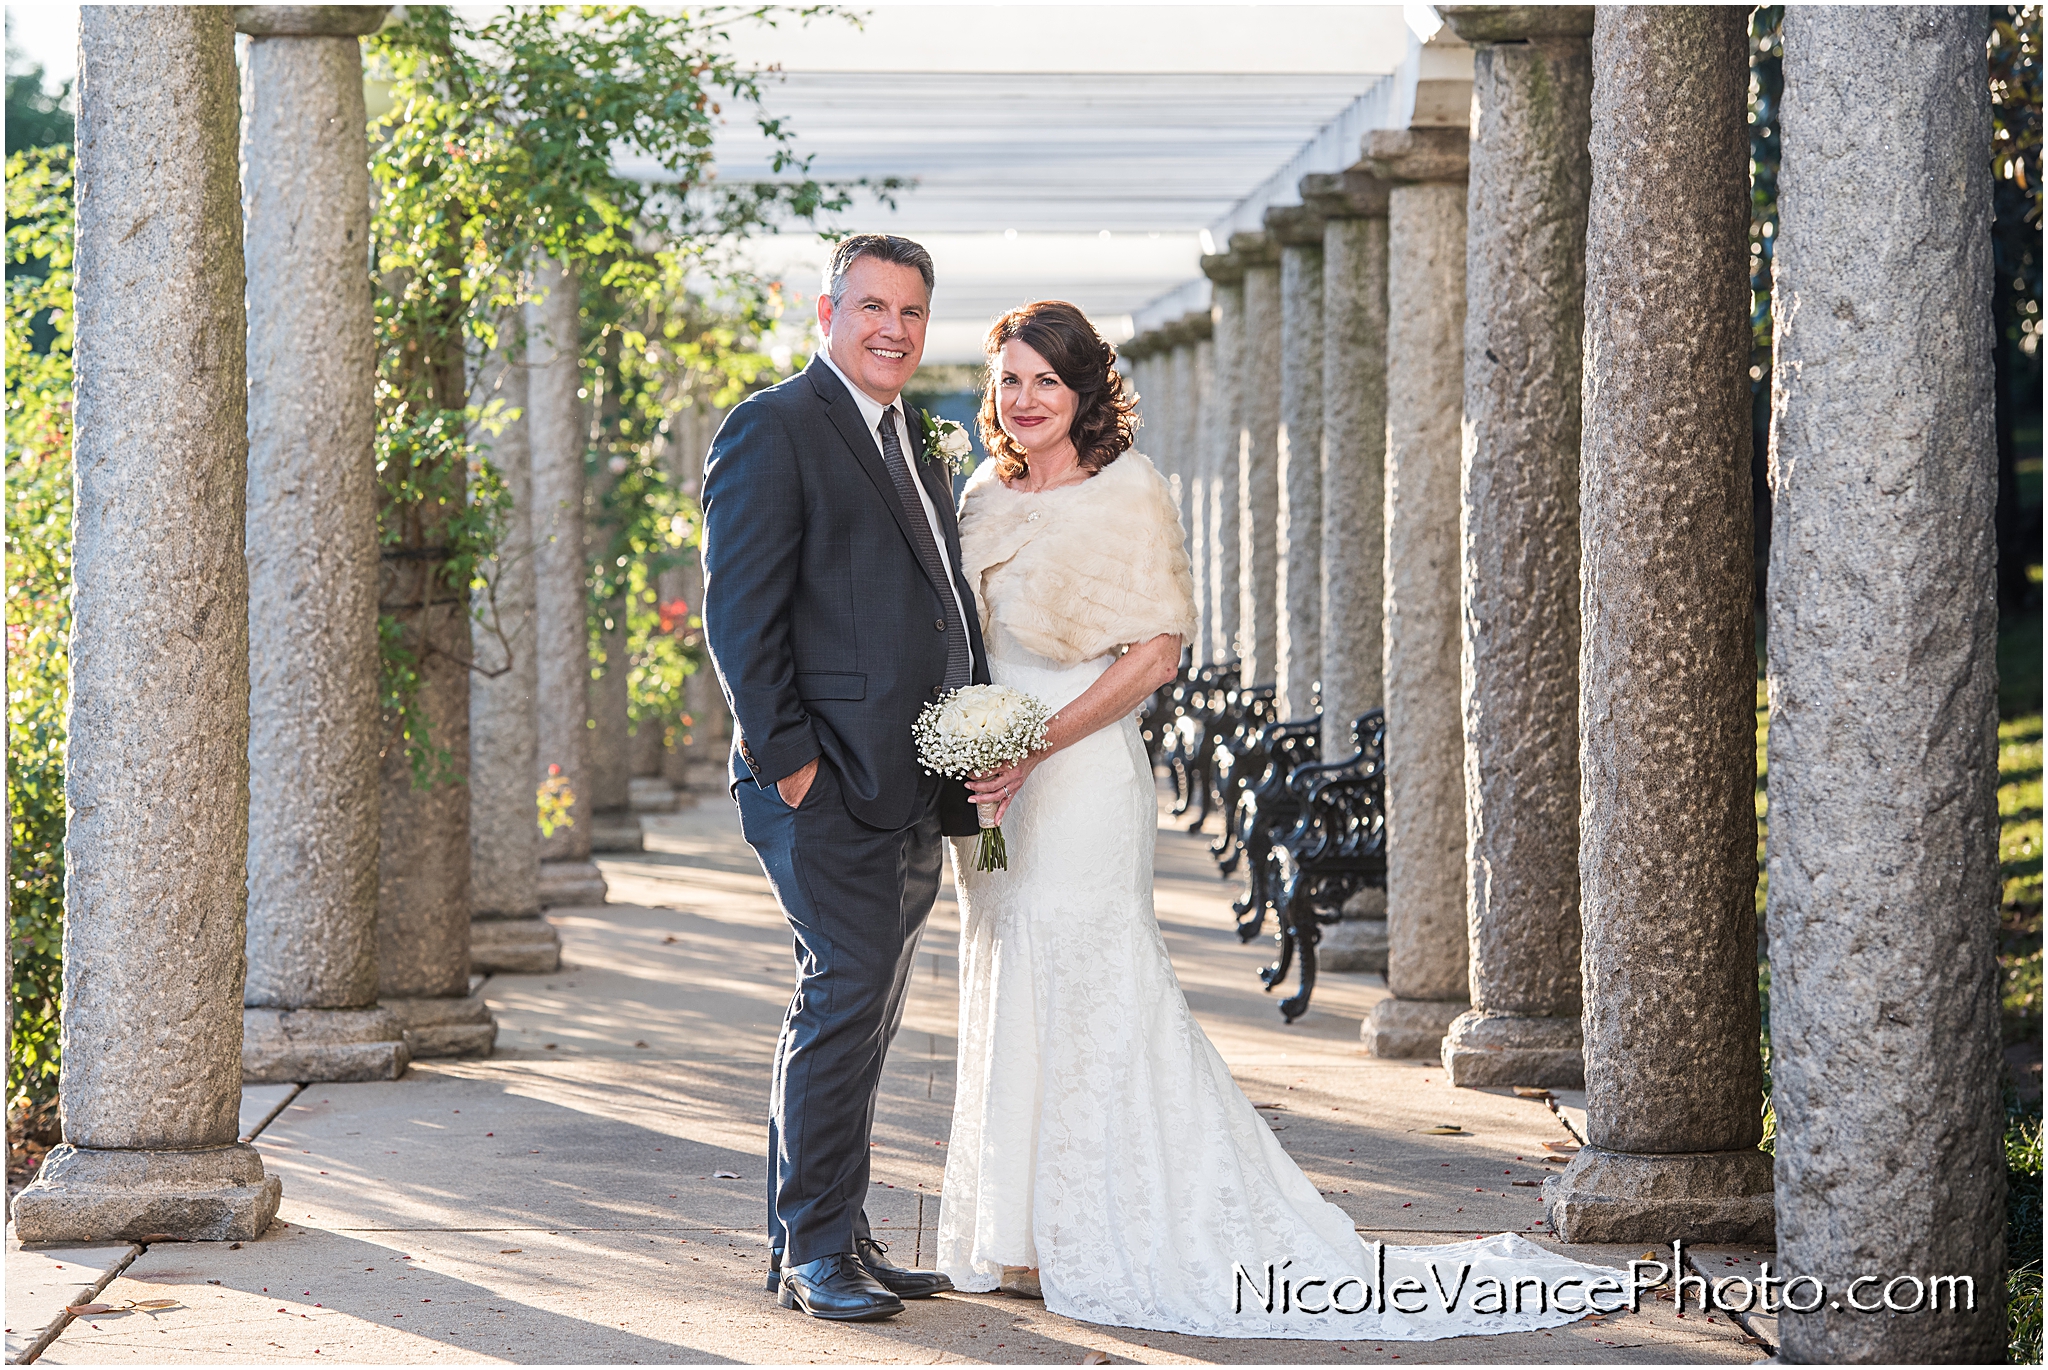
point(1105, 419)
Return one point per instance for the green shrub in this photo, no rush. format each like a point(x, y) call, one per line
point(38, 324)
point(2023, 1234)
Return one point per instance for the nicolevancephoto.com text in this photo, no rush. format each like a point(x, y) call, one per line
point(1451, 1288)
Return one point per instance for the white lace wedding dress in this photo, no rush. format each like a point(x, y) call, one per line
point(1097, 1133)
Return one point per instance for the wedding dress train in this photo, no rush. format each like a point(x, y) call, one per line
point(1097, 1133)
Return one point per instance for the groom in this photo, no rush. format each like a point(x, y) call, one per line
point(835, 610)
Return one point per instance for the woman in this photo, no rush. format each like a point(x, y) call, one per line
point(1100, 1150)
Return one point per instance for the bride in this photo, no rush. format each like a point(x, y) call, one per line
point(1100, 1150)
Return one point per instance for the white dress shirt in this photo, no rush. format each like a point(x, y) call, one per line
point(871, 417)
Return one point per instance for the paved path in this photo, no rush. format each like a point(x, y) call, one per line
point(570, 1199)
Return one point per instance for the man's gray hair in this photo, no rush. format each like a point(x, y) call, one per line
point(886, 247)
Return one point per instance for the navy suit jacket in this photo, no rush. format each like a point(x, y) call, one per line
point(826, 630)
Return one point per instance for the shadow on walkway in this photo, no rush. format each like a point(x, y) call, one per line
point(594, 1191)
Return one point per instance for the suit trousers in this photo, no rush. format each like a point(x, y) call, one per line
point(857, 899)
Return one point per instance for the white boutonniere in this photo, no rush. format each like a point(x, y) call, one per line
point(946, 443)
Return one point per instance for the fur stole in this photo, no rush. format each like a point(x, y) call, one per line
point(1080, 571)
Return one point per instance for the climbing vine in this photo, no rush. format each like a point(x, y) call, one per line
point(500, 148)
point(494, 142)
point(654, 356)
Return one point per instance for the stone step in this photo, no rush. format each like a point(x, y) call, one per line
point(570, 884)
point(285, 1045)
point(616, 830)
point(446, 1027)
point(1358, 944)
point(651, 794)
point(516, 946)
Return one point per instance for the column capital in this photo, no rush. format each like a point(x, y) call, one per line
point(1255, 249)
point(1294, 226)
point(1517, 23)
point(1189, 328)
point(309, 21)
point(1354, 193)
point(1409, 155)
point(1140, 345)
point(1224, 268)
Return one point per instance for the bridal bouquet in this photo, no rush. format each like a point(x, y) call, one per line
point(975, 730)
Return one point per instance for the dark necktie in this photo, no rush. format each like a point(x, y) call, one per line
point(959, 658)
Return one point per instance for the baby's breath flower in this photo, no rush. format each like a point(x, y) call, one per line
point(975, 730)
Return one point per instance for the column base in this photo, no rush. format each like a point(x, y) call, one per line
point(1353, 944)
point(514, 946)
point(616, 830)
point(570, 884)
point(1698, 1196)
point(1408, 1029)
point(308, 1045)
point(651, 794)
point(81, 1194)
point(446, 1027)
point(1486, 1048)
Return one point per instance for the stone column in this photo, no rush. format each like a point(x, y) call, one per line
point(685, 582)
point(1667, 747)
point(649, 792)
point(649, 789)
point(1425, 780)
point(423, 854)
point(689, 437)
point(1884, 878)
point(311, 535)
point(157, 767)
point(1166, 441)
point(561, 600)
point(1353, 207)
point(1258, 458)
point(614, 825)
point(1222, 419)
point(1354, 430)
point(1298, 591)
point(1190, 335)
point(506, 930)
point(611, 710)
point(1140, 379)
point(710, 729)
point(702, 699)
point(1181, 423)
point(1166, 421)
point(1194, 467)
point(1519, 529)
point(423, 898)
point(1201, 449)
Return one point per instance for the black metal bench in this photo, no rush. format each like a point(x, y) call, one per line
point(1267, 810)
point(1156, 720)
point(1337, 847)
point(1196, 705)
point(1246, 712)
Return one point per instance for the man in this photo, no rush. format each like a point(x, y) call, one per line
point(835, 611)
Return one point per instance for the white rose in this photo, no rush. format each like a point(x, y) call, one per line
point(954, 444)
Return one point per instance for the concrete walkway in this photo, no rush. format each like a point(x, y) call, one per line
point(593, 1192)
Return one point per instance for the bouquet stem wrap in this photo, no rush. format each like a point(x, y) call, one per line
point(991, 853)
point(975, 730)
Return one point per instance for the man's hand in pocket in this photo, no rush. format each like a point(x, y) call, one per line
point(794, 786)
